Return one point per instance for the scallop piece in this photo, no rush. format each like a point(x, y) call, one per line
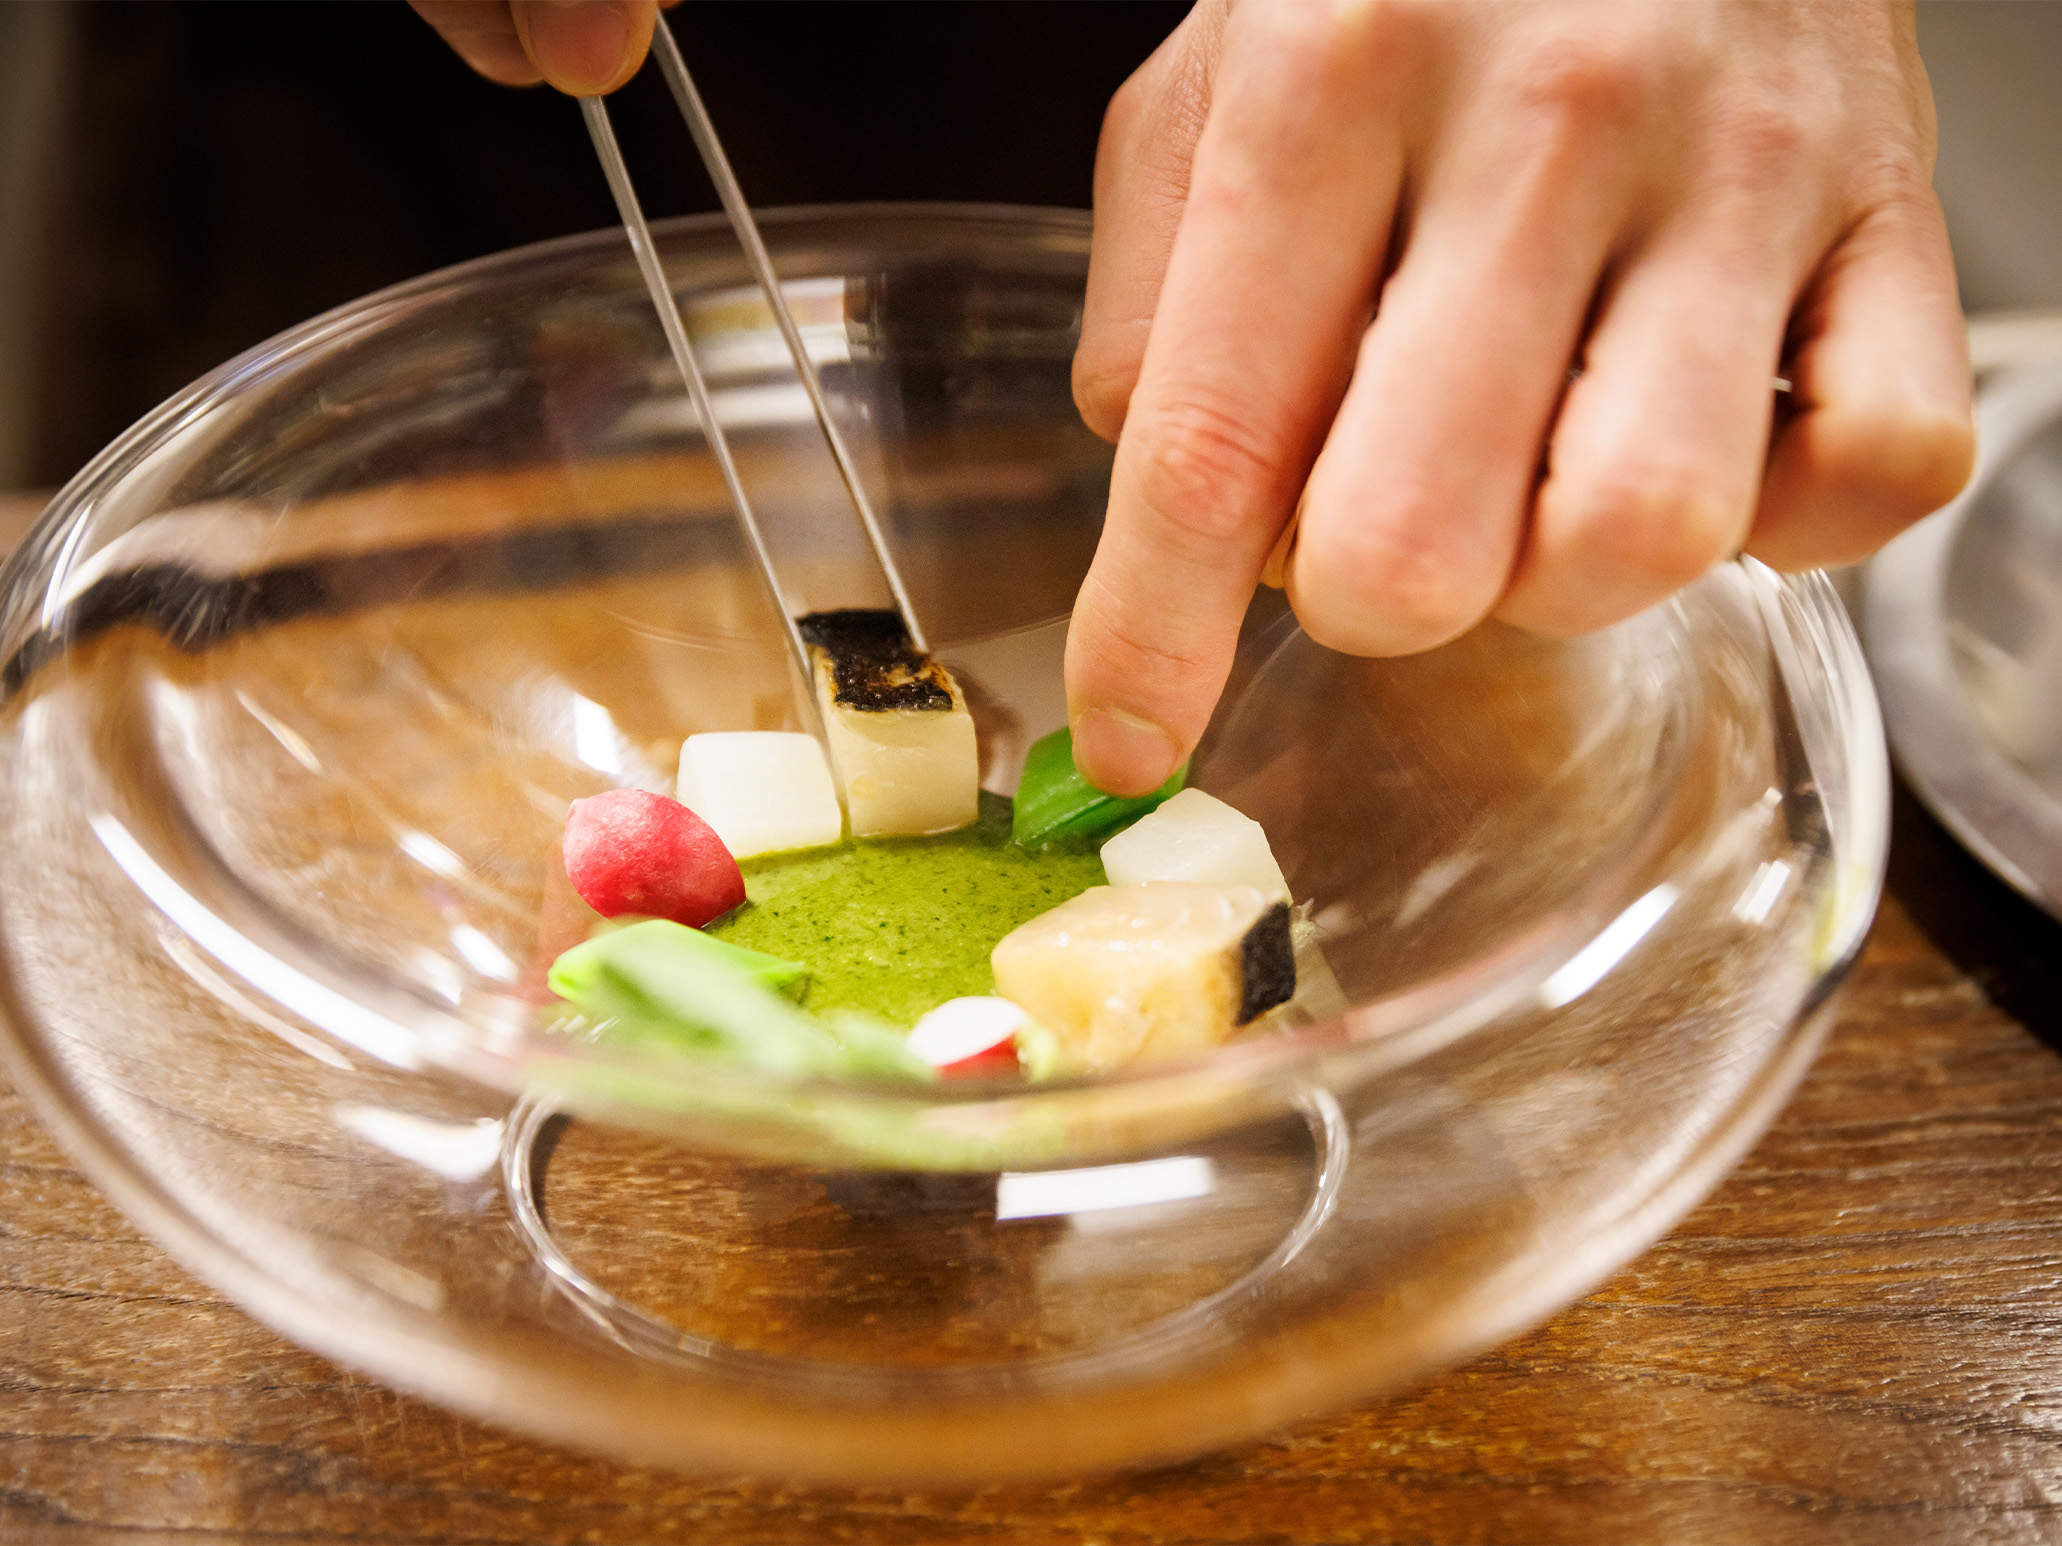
point(764, 791)
point(901, 737)
point(1150, 970)
point(1195, 837)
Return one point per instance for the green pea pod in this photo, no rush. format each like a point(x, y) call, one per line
point(1055, 804)
point(672, 986)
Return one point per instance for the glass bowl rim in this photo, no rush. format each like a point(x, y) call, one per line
point(1388, 1032)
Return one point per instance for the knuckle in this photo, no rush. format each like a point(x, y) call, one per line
point(1580, 82)
point(1121, 652)
point(1764, 140)
point(1207, 469)
point(1386, 592)
point(1896, 191)
point(1391, 24)
point(1339, 43)
point(1129, 102)
point(1299, 67)
point(1144, 659)
point(1130, 117)
point(1103, 377)
point(1658, 528)
point(1908, 462)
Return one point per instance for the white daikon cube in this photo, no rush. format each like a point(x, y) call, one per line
point(763, 791)
point(1197, 838)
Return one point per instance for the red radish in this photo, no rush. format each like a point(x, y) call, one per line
point(997, 1061)
point(969, 1036)
point(631, 851)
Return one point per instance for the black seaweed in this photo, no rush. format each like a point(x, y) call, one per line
point(856, 630)
point(1267, 956)
point(874, 666)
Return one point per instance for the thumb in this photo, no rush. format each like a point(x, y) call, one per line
point(585, 48)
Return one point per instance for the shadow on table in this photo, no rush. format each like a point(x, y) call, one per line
point(2011, 948)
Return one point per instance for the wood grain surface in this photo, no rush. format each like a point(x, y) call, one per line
point(1854, 1340)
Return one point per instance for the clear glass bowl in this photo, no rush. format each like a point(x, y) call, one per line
point(302, 672)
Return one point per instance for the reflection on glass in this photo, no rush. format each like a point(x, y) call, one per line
point(1046, 1193)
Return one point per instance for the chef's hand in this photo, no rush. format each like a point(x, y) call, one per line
point(1684, 199)
point(584, 47)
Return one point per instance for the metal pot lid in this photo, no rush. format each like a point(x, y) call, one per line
point(1962, 622)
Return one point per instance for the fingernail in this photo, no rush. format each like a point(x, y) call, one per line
point(1122, 754)
point(581, 45)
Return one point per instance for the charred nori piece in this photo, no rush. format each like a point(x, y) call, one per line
point(901, 738)
point(874, 666)
point(1268, 956)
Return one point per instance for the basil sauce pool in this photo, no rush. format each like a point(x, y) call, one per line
point(896, 926)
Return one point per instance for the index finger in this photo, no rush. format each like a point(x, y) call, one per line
point(1252, 343)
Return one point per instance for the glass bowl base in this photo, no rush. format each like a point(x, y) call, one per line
point(805, 1274)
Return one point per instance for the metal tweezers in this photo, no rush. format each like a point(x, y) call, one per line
point(689, 101)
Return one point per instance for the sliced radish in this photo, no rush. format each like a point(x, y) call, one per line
point(969, 1035)
point(630, 851)
point(763, 791)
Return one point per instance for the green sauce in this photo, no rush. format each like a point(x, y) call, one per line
point(896, 926)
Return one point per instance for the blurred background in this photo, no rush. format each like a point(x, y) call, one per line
point(181, 180)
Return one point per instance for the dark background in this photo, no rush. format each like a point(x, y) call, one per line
point(181, 179)
point(233, 168)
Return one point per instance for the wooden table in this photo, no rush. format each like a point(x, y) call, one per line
point(1854, 1339)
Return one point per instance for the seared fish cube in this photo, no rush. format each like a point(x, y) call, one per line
point(901, 737)
point(1154, 970)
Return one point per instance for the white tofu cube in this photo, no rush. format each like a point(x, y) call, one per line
point(1197, 838)
point(763, 791)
